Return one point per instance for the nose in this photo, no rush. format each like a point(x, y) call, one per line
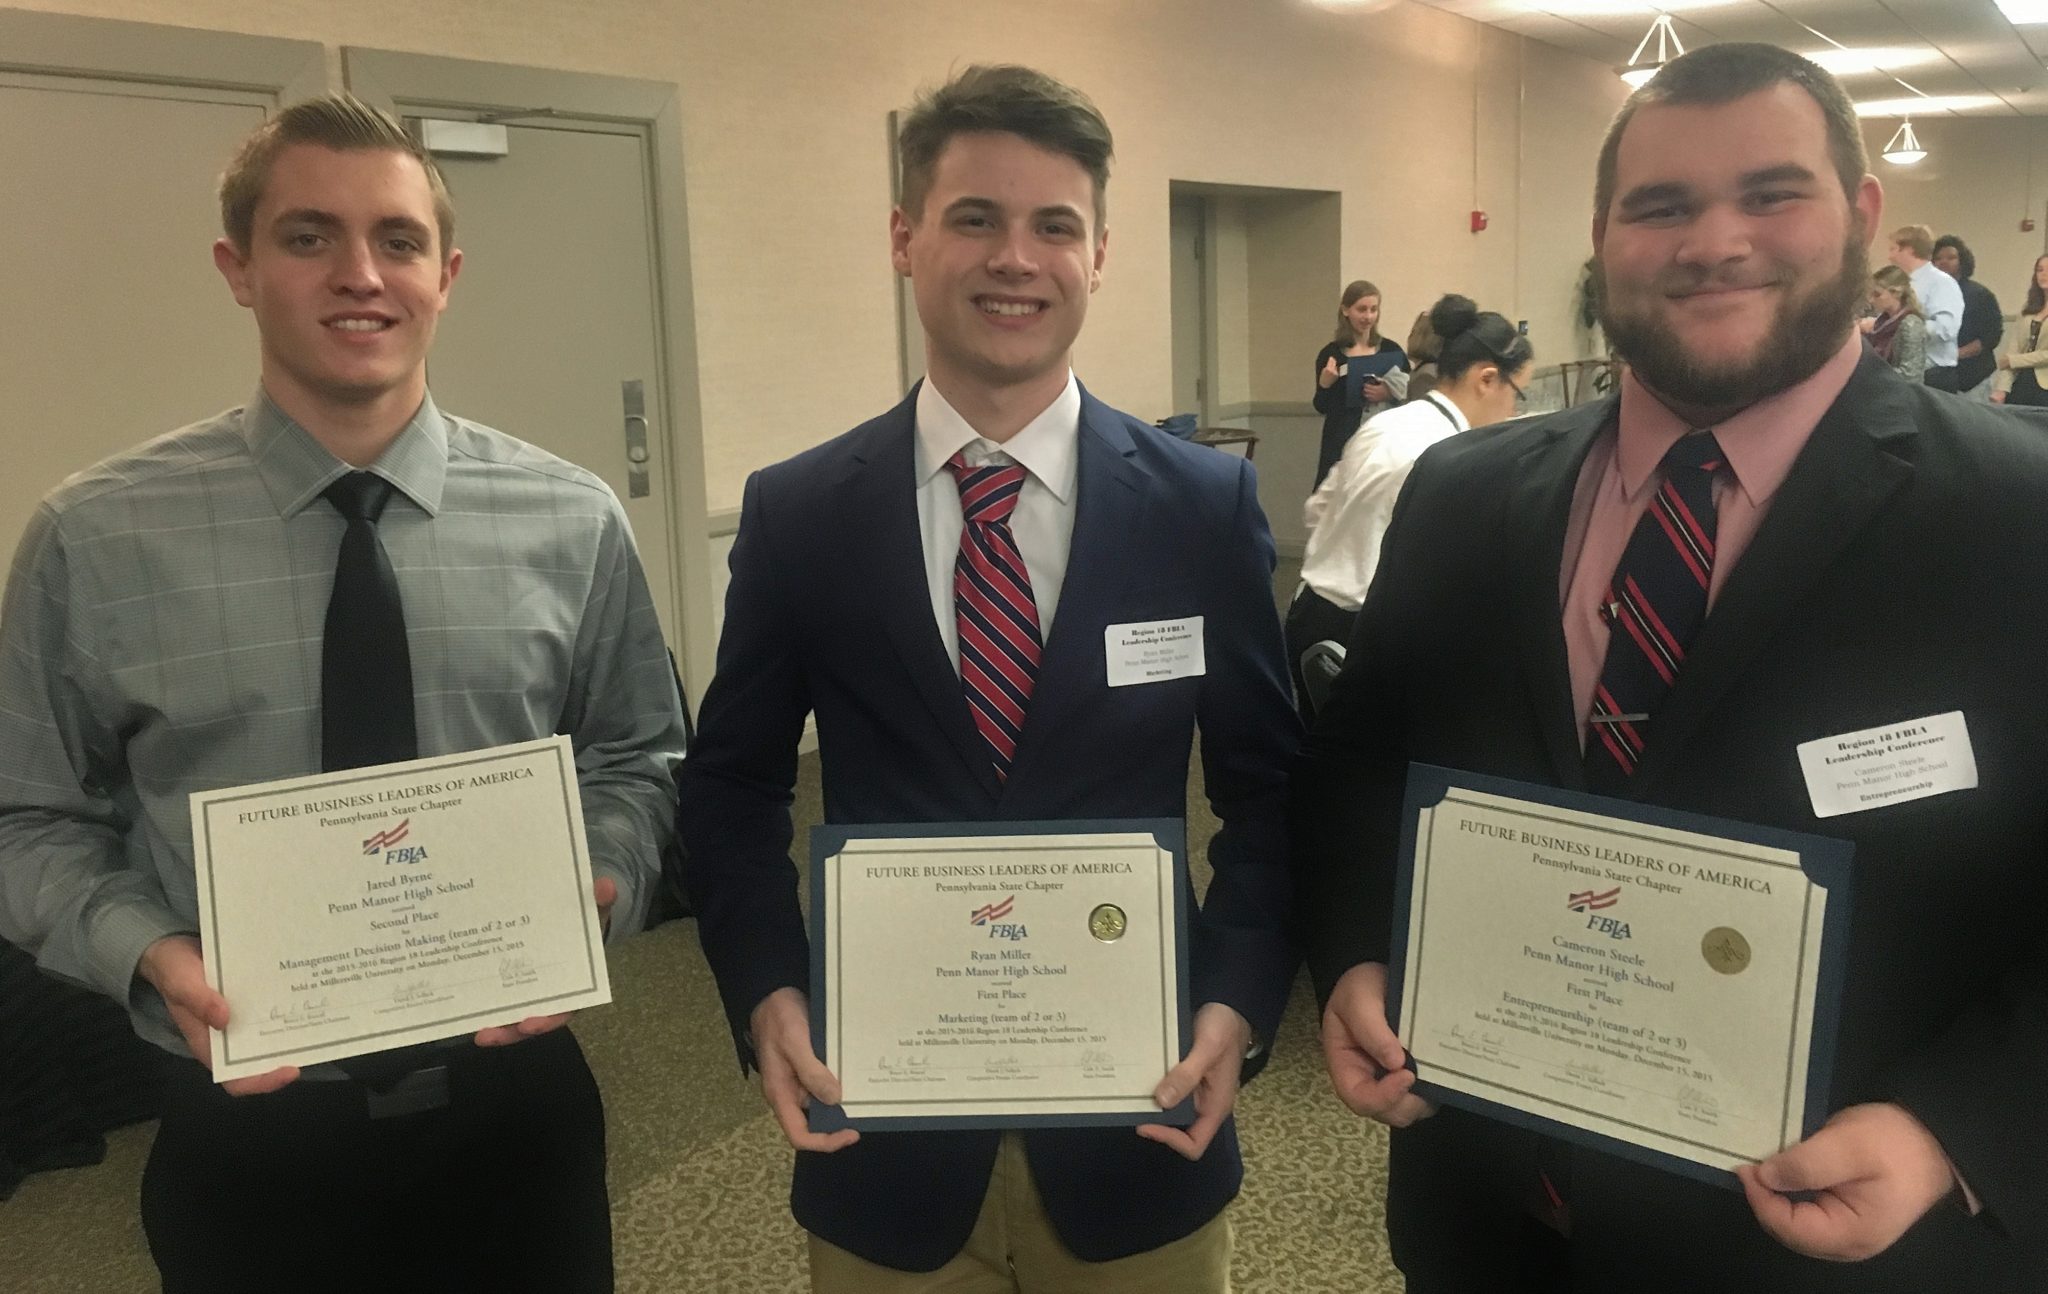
point(1015, 255)
point(353, 270)
point(1718, 235)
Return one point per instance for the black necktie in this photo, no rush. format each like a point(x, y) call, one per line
point(1653, 609)
point(365, 666)
point(366, 712)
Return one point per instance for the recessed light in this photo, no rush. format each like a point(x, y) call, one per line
point(1920, 106)
point(1851, 62)
point(2024, 11)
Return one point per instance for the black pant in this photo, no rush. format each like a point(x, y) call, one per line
point(1942, 378)
point(502, 1189)
point(1312, 618)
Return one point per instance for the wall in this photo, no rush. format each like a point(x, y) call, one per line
point(1980, 177)
point(785, 151)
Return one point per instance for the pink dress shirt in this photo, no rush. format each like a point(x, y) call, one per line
point(1620, 476)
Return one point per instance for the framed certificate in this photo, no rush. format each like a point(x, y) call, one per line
point(1660, 985)
point(999, 975)
point(357, 911)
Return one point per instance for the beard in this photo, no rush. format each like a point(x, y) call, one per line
point(1805, 334)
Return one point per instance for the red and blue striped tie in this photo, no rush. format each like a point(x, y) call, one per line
point(999, 642)
point(1653, 609)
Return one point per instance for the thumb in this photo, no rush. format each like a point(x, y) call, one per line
point(605, 890)
point(1812, 1165)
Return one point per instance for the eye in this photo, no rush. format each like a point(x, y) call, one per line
point(303, 241)
point(403, 246)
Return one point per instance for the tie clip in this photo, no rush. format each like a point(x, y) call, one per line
point(1619, 718)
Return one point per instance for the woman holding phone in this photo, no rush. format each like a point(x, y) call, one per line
point(1345, 403)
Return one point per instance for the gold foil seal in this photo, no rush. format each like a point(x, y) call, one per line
point(1726, 950)
point(1107, 923)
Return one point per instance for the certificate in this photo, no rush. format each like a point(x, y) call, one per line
point(999, 975)
point(1661, 985)
point(357, 911)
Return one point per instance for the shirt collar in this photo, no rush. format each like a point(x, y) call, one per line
point(295, 468)
point(1047, 447)
point(1450, 406)
point(1760, 442)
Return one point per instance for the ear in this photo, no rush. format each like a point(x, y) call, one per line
point(899, 241)
point(449, 269)
point(234, 267)
point(1101, 258)
point(1869, 205)
point(1599, 230)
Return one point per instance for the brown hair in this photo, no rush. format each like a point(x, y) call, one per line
point(1011, 100)
point(1717, 74)
point(1423, 343)
point(1917, 239)
point(1356, 289)
point(338, 121)
point(1893, 280)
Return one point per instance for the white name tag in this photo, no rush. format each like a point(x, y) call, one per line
point(1154, 651)
point(1889, 765)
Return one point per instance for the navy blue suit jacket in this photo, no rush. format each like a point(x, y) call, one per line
point(829, 614)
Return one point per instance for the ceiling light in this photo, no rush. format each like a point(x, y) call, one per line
point(1852, 62)
point(2024, 11)
point(1640, 69)
point(1904, 150)
point(1921, 105)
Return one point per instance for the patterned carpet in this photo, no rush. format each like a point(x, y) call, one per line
point(700, 1175)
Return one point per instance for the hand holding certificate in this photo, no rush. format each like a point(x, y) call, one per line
point(378, 907)
point(1659, 984)
point(999, 975)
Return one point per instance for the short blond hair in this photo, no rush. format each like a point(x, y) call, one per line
point(338, 121)
point(1917, 239)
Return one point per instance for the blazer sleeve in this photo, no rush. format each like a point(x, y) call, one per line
point(1249, 735)
point(1909, 349)
point(736, 784)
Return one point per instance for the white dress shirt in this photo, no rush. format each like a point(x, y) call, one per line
point(1048, 450)
point(1941, 301)
point(1348, 514)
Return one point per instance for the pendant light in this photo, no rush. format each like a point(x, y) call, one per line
point(1639, 71)
point(1904, 149)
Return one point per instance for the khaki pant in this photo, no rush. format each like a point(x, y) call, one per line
point(1014, 1250)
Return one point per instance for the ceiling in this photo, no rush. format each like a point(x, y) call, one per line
point(1963, 54)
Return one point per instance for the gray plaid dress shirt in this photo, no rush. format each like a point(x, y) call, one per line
point(162, 634)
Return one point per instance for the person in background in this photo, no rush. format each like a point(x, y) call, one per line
point(2018, 380)
point(1897, 332)
point(1483, 368)
point(1358, 333)
point(1941, 301)
point(1423, 346)
point(1983, 322)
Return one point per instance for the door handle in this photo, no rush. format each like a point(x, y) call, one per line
point(633, 394)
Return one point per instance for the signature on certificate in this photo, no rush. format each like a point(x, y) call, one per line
point(305, 1011)
point(1694, 1101)
point(411, 992)
point(1003, 1066)
point(516, 970)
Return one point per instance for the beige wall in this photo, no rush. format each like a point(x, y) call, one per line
point(784, 109)
point(1981, 176)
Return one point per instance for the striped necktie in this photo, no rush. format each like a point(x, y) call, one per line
point(1653, 609)
point(998, 620)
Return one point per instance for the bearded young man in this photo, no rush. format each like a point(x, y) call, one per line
point(1865, 535)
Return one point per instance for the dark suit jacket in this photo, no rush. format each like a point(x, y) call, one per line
point(829, 613)
point(1900, 573)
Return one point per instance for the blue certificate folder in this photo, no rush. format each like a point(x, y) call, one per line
point(1357, 368)
point(1170, 834)
point(1826, 862)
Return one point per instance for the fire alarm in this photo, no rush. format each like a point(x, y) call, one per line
point(1478, 221)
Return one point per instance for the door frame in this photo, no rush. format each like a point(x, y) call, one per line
point(65, 45)
point(389, 77)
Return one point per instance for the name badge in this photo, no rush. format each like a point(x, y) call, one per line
point(1889, 765)
point(1154, 651)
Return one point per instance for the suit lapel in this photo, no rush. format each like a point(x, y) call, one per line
point(883, 508)
point(1110, 494)
point(1539, 513)
point(1836, 486)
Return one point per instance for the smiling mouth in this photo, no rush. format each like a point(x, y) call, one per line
point(1009, 309)
point(362, 325)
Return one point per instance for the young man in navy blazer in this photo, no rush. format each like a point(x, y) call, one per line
point(843, 605)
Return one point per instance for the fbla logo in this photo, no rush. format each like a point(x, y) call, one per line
point(992, 914)
point(1590, 902)
point(386, 842)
